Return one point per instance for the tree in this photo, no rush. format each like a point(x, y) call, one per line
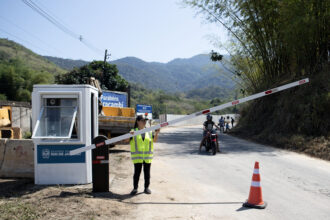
point(17, 80)
point(107, 75)
point(272, 41)
point(3, 97)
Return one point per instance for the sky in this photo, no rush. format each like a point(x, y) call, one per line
point(152, 30)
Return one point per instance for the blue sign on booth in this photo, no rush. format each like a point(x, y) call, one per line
point(59, 154)
point(143, 108)
point(114, 99)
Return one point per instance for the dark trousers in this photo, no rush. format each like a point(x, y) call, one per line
point(137, 172)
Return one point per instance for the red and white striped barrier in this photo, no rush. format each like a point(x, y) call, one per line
point(206, 111)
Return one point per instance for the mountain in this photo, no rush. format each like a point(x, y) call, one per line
point(10, 50)
point(67, 64)
point(197, 77)
point(178, 75)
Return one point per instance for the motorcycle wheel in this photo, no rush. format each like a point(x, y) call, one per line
point(207, 146)
point(214, 148)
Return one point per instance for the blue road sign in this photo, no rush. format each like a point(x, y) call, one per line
point(114, 99)
point(143, 108)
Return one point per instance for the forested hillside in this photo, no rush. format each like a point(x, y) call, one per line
point(20, 69)
point(10, 50)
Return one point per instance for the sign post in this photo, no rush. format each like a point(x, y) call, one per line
point(144, 110)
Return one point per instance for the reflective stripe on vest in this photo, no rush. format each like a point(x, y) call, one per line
point(142, 158)
point(149, 154)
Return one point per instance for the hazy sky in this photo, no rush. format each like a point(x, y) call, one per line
point(153, 30)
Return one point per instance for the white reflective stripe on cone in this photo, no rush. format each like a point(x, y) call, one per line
point(255, 184)
point(193, 115)
point(256, 171)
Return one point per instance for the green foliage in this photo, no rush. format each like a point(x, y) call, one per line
point(210, 92)
point(272, 43)
point(17, 80)
point(9, 50)
point(177, 103)
point(20, 69)
point(3, 97)
point(107, 75)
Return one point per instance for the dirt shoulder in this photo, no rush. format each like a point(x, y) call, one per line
point(21, 199)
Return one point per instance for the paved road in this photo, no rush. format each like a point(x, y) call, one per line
point(189, 185)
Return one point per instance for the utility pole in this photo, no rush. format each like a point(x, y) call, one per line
point(106, 56)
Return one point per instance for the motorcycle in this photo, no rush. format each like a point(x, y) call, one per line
point(210, 142)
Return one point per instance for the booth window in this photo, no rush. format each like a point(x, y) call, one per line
point(57, 119)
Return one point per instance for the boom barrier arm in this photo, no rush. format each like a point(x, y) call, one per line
point(206, 111)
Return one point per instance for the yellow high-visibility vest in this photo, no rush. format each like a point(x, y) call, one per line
point(142, 150)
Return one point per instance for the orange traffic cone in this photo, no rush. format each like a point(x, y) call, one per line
point(255, 197)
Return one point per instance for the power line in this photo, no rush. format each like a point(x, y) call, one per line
point(52, 14)
point(60, 26)
point(44, 14)
point(29, 33)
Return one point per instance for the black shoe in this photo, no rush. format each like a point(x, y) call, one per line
point(147, 191)
point(134, 191)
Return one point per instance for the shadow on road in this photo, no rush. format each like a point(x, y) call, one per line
point(242, 209)
point(89, 193)
point(116, 151)
point(123, 197)
point(186, 141)
point(183, 203)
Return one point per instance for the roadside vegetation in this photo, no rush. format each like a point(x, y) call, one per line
point(17, 80)
point(274, 43)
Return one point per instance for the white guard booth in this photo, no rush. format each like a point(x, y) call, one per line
point(64, 117)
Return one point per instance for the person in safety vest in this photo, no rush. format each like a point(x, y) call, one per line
point(142, 147)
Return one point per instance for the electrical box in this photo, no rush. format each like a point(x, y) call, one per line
point(64, 117)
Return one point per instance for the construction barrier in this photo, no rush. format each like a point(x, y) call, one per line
point(199, 120)
point(16, 158)
point(188, 117)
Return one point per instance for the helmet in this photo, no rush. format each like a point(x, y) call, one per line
point(209, 117)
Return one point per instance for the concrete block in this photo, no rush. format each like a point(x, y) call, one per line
point(18, 159)
point(2, 150)
point(21, 117)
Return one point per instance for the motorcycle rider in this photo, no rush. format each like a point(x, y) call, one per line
point(208, 126)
